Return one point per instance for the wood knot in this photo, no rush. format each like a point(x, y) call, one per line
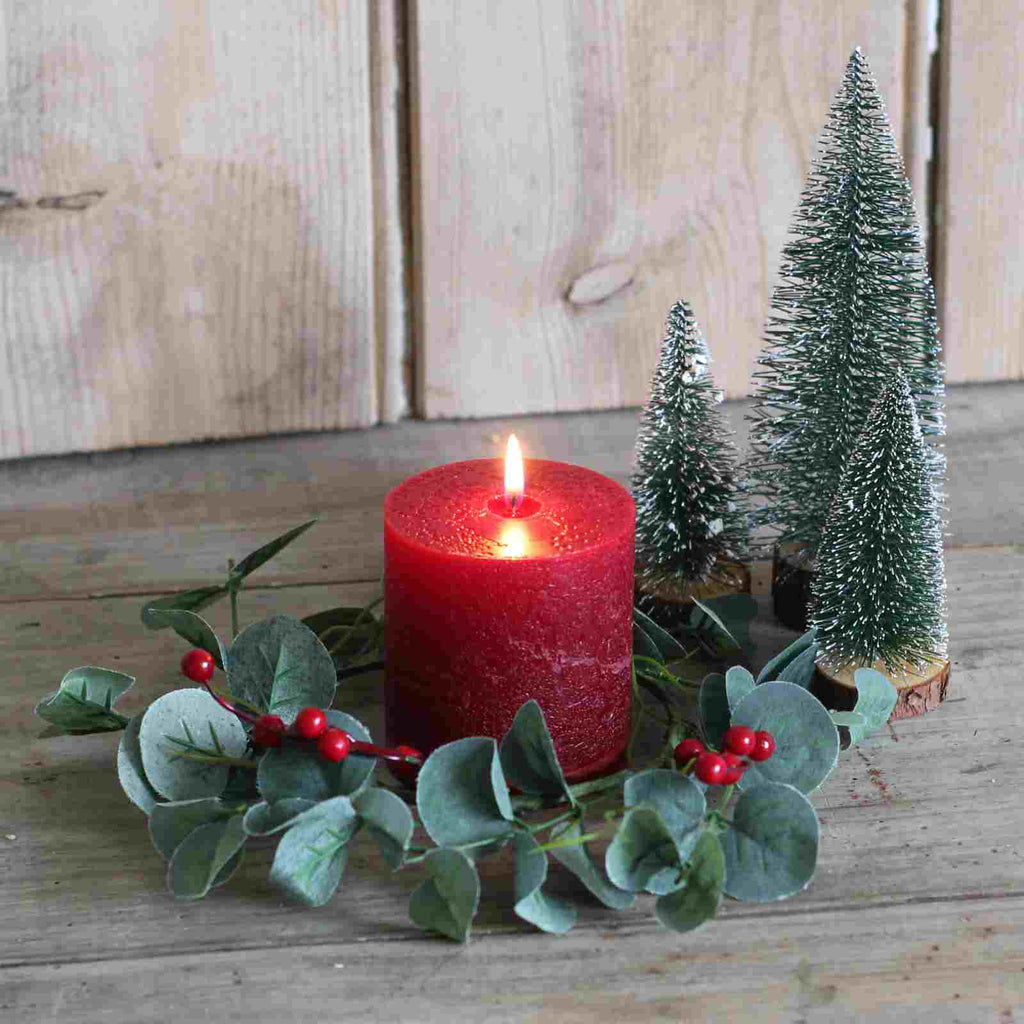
point(599, 283)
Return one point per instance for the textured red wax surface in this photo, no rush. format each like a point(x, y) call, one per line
point(477, 624)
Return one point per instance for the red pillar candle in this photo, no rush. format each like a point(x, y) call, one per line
point(493, 600)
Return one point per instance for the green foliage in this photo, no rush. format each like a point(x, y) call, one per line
point(854, 302)
point(880, 586)
point(264, 819)
point(713, 708)
point(738, 683)
point(532, 903)
point(191, 627)
point(876, 698)
point(84, 702)
point(447, 899)
point(574, 856)
point(689, 508)
point(388, 819)
point(776, 665)
point(650, 640)
point(171, 823)
point(643, 853)
point(728, 616)
point(689, 906)
point(528, 757)
point(130, 771)
point(207, 857)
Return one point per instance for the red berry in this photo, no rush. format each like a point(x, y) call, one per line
point(686, 751)
point(402, 770)
point(710, 768)
point(735, 766)
point(334, 744)
point(739, 739)
point(198, 665)
point(309, 723)
point(764, 746)
point(268, 731)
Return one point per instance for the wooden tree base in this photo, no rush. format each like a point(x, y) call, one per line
point(670, 605)
point(918, 691)
point(791, 586)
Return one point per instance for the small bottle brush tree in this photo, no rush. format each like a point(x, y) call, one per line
point(880, 586)
point(690, 519)
point(855, 301)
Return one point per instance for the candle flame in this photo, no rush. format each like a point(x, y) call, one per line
point(515, 483)
point(513, 540)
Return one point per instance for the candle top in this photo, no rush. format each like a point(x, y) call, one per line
point(451, 509)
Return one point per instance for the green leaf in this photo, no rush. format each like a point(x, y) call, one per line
point(193, 628)
point(279, 666)
point(312, 854)
point(681, 806)
point(183, 722)
point(851, 719)
point(738, 683)
point(528, 756)
point(389, 821)
point(669, 648)
point(771, 846)
point(800, 671)
point(697, 901)
point(170, 823)
point(644, 646)
point(446, 901)
point(130, 772)
point(713, 709)
point(576, 858)
point(84, 702)
point(348, 633)
point(770, 672)
point(876, 698)
point(205, 858)
point(461, 794)
point(806, 741)
point(254, 560)
point(265, 819)
point(297, 770)
point(732, 613)
point(532, 904)
point(642, 851)
point(188, 600)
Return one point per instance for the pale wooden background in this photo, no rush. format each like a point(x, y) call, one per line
point(282, 215)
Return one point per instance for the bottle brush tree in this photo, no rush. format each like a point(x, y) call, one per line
point(690, 513)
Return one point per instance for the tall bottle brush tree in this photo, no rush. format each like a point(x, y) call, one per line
point(691, 520)
point(880, 586)
point(854, 302)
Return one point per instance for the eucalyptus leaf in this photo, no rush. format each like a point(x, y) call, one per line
point(175, 729)
point(389, 821)
point(256, 558)
point(279, 666)
point(876, 698)
point(732, 614)
point(348, 633)
point(446, 901)
point(713, 709)
point(312, 854)
point(851, 719)
point(170, 823)
point(532, 903)
point(206, 857)
point(644, 646)
point(642, 851)
point(528, 756)
point(189, 600)
point(669, 648)
point(771, 846)
point(800, 671)
point(697, 901)
point(575, 857)
point(130, 772)
point(193, 628)
point(806, 741)
point(461, 794)
point(265, 819)
point(84, 702)
point(297, 769)
point(780, 661)
point(738, 683)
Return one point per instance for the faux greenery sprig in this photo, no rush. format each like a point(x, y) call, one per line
point(190, 763)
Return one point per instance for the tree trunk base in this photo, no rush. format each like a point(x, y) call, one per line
point(791, 586)
point(670, 604)
point(917, 691)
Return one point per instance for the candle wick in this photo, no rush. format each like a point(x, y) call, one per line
point(512, 503)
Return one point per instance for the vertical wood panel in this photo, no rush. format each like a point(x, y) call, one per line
point(667, 139)
point(981, 190)
point(221, 280)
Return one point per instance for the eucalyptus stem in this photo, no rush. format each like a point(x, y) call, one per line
point(233, 596)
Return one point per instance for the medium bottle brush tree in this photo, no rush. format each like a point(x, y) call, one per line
point(880, 584)
point(854, 302)
point(690, 516)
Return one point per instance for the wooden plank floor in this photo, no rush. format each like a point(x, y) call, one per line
point(916, 913)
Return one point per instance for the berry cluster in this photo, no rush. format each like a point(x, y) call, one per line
point(333, 744)
point(742, 745)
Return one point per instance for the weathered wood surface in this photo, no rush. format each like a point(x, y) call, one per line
point(580, 167)
point(916, 912)
point(189, 245)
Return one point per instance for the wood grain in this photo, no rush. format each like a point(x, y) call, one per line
point(221, 280)
point(981, 188)
point(550, 140)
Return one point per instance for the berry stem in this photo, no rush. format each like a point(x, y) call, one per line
point(245, 716)
point(386, 753)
